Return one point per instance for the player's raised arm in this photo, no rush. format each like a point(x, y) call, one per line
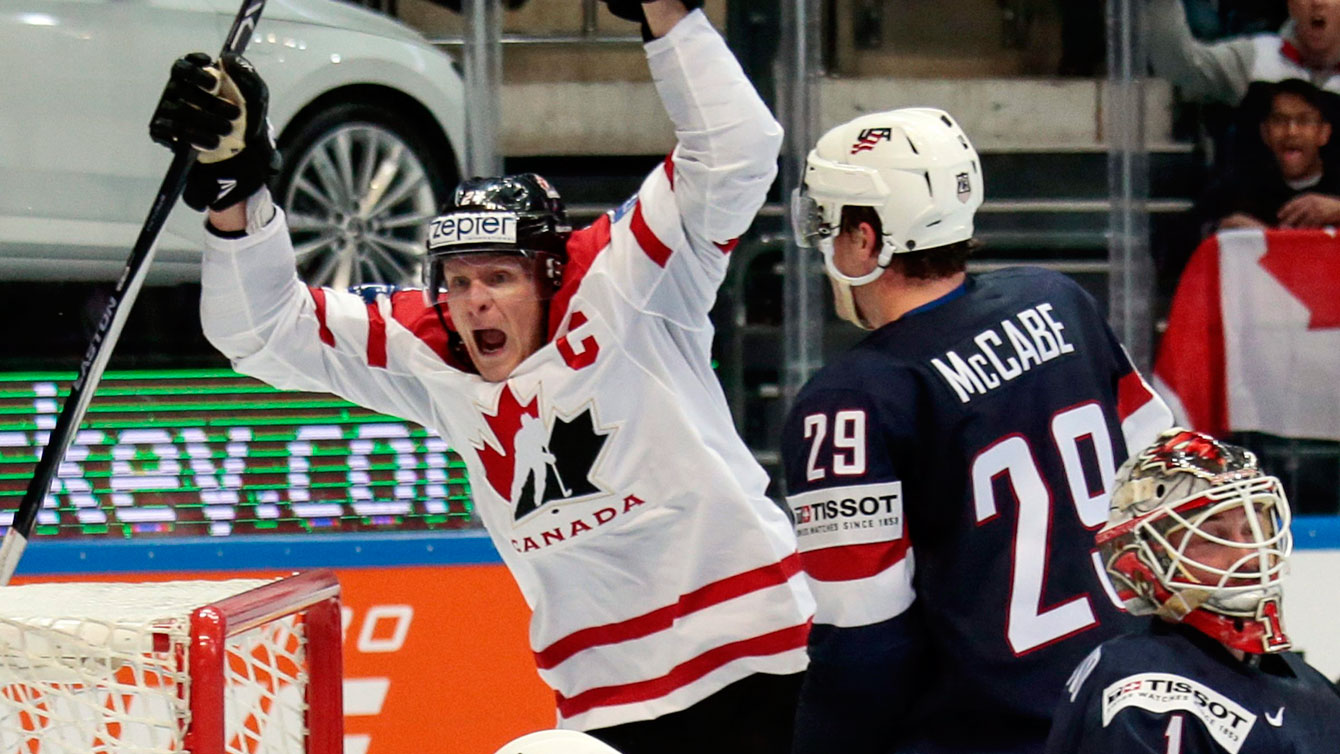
point(254, 308)
point(220, 110)
point(728, 141)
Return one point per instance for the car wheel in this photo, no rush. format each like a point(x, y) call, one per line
point(359, 185)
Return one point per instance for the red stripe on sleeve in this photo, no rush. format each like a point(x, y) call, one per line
point(854, 561)
point(662, 618)
point(651, 245)
point(1288, 50)
point(1131, 395)
point(1191, 356)
point(685, 673)
point(319, 300)
point(728, 246)
point(376, 337)
point(670, 170)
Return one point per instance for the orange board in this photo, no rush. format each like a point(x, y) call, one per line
point(436, 659)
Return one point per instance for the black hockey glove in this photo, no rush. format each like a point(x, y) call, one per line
point(631, 10)
point(218, 109)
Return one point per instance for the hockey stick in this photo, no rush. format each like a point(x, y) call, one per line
point(109, 326)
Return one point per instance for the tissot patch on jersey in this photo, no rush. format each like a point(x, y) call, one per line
point(1226, 720)
point(856, 515)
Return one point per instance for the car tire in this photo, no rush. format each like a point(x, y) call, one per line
point(359, 184)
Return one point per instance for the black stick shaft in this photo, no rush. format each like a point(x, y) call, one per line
point(109, 326)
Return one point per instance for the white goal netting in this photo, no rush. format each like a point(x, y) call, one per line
point(223, 666)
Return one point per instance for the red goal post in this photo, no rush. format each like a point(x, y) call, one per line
point(243, 666)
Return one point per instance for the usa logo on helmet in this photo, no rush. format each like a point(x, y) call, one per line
point(869, 137)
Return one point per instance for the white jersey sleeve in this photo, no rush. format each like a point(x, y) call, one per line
point(257, 312)
point(674, 238)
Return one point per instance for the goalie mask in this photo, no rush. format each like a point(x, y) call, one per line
point(517, 215)
point(914, 166)
point(1197, 533)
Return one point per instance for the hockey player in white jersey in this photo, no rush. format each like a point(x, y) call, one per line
point(571, 370)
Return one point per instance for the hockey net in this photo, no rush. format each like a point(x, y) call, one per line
point(211, 667)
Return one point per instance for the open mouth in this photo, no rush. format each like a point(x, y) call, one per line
point(1318, 23)
point(1291, 153)
point(490, 341)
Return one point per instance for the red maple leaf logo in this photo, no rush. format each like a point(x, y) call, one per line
point(1308, 266)
point(499, 466)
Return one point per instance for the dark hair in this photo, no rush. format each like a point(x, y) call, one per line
point(1305, 91)
point(924, 264)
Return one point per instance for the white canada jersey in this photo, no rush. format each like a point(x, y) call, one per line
point(606, 468)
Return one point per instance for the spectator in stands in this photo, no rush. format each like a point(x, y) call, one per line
point(1215, 19)
point(1308, 48)
point(1284, 182)
point(1083, 29)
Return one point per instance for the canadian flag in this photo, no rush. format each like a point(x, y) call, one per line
point(1253, 339)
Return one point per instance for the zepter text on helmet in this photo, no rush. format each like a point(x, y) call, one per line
point(470, 228)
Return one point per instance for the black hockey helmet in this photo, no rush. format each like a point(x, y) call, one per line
point(515, 214)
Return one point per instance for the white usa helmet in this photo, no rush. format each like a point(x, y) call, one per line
point(556, 742)
point(914, 166)
point(1197, 533)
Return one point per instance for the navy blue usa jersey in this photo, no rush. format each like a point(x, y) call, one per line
point(1172, 689)
point(947, 476)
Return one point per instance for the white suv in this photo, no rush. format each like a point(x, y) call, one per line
point(368, 116)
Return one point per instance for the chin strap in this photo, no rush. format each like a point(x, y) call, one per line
point(844, 300)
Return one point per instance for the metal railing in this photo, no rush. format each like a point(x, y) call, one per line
point(589, 35)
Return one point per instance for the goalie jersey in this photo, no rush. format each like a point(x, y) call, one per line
point(947, 476)
point(606, 468)
point(1172, 688)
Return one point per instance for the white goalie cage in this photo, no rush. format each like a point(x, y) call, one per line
point(242, 666)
